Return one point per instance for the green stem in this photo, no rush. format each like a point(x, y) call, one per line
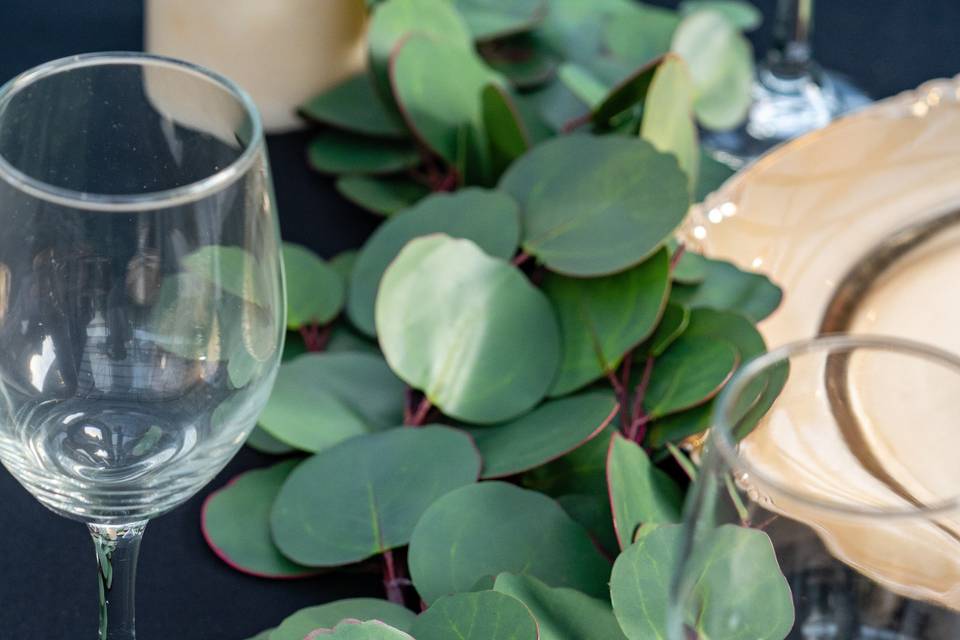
point(685, 463)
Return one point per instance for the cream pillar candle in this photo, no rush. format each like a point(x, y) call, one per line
point(281, 51)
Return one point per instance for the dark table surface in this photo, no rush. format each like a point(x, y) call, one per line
point(47, 584)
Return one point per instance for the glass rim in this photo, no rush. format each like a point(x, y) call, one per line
point(722, 437)
point(150, 200)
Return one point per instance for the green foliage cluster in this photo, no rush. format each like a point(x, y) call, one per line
point(491, 399)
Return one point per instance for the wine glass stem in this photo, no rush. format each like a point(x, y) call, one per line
point(791, 54)
point(117, 548)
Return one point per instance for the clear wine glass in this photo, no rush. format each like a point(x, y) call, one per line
point(791, 93)
point(141, 293)
point(829, 492)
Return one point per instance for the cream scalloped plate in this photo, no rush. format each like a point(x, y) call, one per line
point(859, 224)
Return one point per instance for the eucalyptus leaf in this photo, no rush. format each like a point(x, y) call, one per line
point(554, 107)
point(672, 325)
point(586, 86)
point(394, 21)
point(467, 329)
point(562, 614)
point(479, 615)
point(690, 372)
point(522, 59)
point(263, 442)
point(721, 66)
point(546, 433)
point(727, 288)
point(438, 87)
point(506, 136)
point(353, 105)
point(343, 263)
point(230, 269)
point(298, 625)
point(582, 471)
point(376, 487)
point(489, 218)
point(320, 399)
point(713, 174)
point(492, 527)
point(736, 589)
point(315, 291)
point(715, 325)
point(263, 635)
point(383, 196)
point(596, 205)
point(742, 15)
point(236, 523)
point(357, 630)
point(337, 152)
point(603, 318)
point(640, 494)
point(639, 36)
point(490, 19)
point(342, 338)
point(627, 94)
point(690, 269)
point(668, 117)
point(593, 513)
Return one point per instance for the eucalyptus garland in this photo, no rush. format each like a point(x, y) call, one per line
point(492, 401)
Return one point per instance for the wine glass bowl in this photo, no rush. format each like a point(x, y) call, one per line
point(141, 300)
point(141, 293)
point(839, 450)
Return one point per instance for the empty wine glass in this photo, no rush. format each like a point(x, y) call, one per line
point(791, 93)
point(141, 293)
point(829, 495)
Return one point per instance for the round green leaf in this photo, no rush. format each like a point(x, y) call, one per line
point(590, 89)
point(333, 151)
point(690, 269)
point(593, 513)
point(263, 635)
point(727, 288)
point(320, 399)
point(562, 614)
point(315, 292)
point(490, 19)
point(231, 269)
point(375, 488)
point(673, 323)
point(326, 616)
point(467, 329)
point(438, 87)
point(603, 318)
point(721, 67)
point(505, 133)
point(713, 174)
point(481, 615)
point(544, 434)
point(489, 218)
point(523, 60)
point(756, 605)
point(492, 527)
point(357, 630)
point(396, 20)
point(383, 196)
point(263, 442)
point(582, 471)
point(342, 338)
point(236, 523)
point(343, 263)
point(689, 373)
point(667, 115)
point(353, 105)
point(640, 494)
point(629, 93)
point(742, 15)
point(596, 205)
point(640, 35)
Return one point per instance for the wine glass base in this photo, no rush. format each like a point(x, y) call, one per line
point(783, 109)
